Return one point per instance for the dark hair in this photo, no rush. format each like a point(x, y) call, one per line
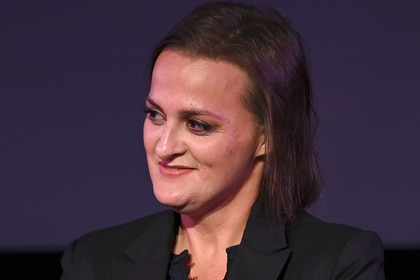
point(266, 46)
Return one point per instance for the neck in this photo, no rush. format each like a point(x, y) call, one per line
point(215, 229)
point(214, 233)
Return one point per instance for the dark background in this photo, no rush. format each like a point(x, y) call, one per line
point(74, 75)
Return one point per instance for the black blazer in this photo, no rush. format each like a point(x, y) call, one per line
point(309, 249)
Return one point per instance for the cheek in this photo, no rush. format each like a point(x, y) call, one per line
point(148, 136)
point(233, 143)
point(239, 151)
point(218, 153)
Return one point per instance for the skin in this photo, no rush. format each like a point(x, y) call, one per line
point(204, 153)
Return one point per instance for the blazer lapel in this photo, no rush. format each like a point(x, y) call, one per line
point(263, 252)
point(148, 257)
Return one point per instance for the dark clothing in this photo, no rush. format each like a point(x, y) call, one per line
point(307, 249)
point(179, 266)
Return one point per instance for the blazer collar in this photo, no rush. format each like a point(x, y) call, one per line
point(262, 254)
point(149, 255)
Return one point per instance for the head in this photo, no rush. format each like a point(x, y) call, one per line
point(265, 46)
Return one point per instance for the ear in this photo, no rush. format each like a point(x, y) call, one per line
point(261, 146)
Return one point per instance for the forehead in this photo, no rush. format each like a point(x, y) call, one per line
point(180, 76)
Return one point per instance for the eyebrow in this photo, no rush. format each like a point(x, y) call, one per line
point(189, 113)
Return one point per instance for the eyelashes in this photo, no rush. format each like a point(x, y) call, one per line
point(199, 127)
point(154, 116)
point(194, 125)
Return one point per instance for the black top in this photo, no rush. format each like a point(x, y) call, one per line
point(179, 267)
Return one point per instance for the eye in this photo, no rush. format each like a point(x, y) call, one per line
point(199, 127)
point(154, 116)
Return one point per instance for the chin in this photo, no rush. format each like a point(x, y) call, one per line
point(171, 201)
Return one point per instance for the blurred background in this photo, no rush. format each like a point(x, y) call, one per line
point(73, 79)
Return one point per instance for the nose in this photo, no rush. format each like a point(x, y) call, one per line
point(170, 143)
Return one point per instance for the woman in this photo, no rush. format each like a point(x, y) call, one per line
point(228, 138)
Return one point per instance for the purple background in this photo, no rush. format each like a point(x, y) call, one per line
point(74, 75)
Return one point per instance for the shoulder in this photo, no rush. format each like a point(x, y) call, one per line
point(120, 235)
point(93, 253)
point(334, 248)
point(315, 232)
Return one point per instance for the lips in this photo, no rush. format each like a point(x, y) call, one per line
point(174, 170)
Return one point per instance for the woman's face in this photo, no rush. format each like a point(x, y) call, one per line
point(203, 149)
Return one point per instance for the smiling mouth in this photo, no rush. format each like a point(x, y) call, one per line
point(173, 171)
